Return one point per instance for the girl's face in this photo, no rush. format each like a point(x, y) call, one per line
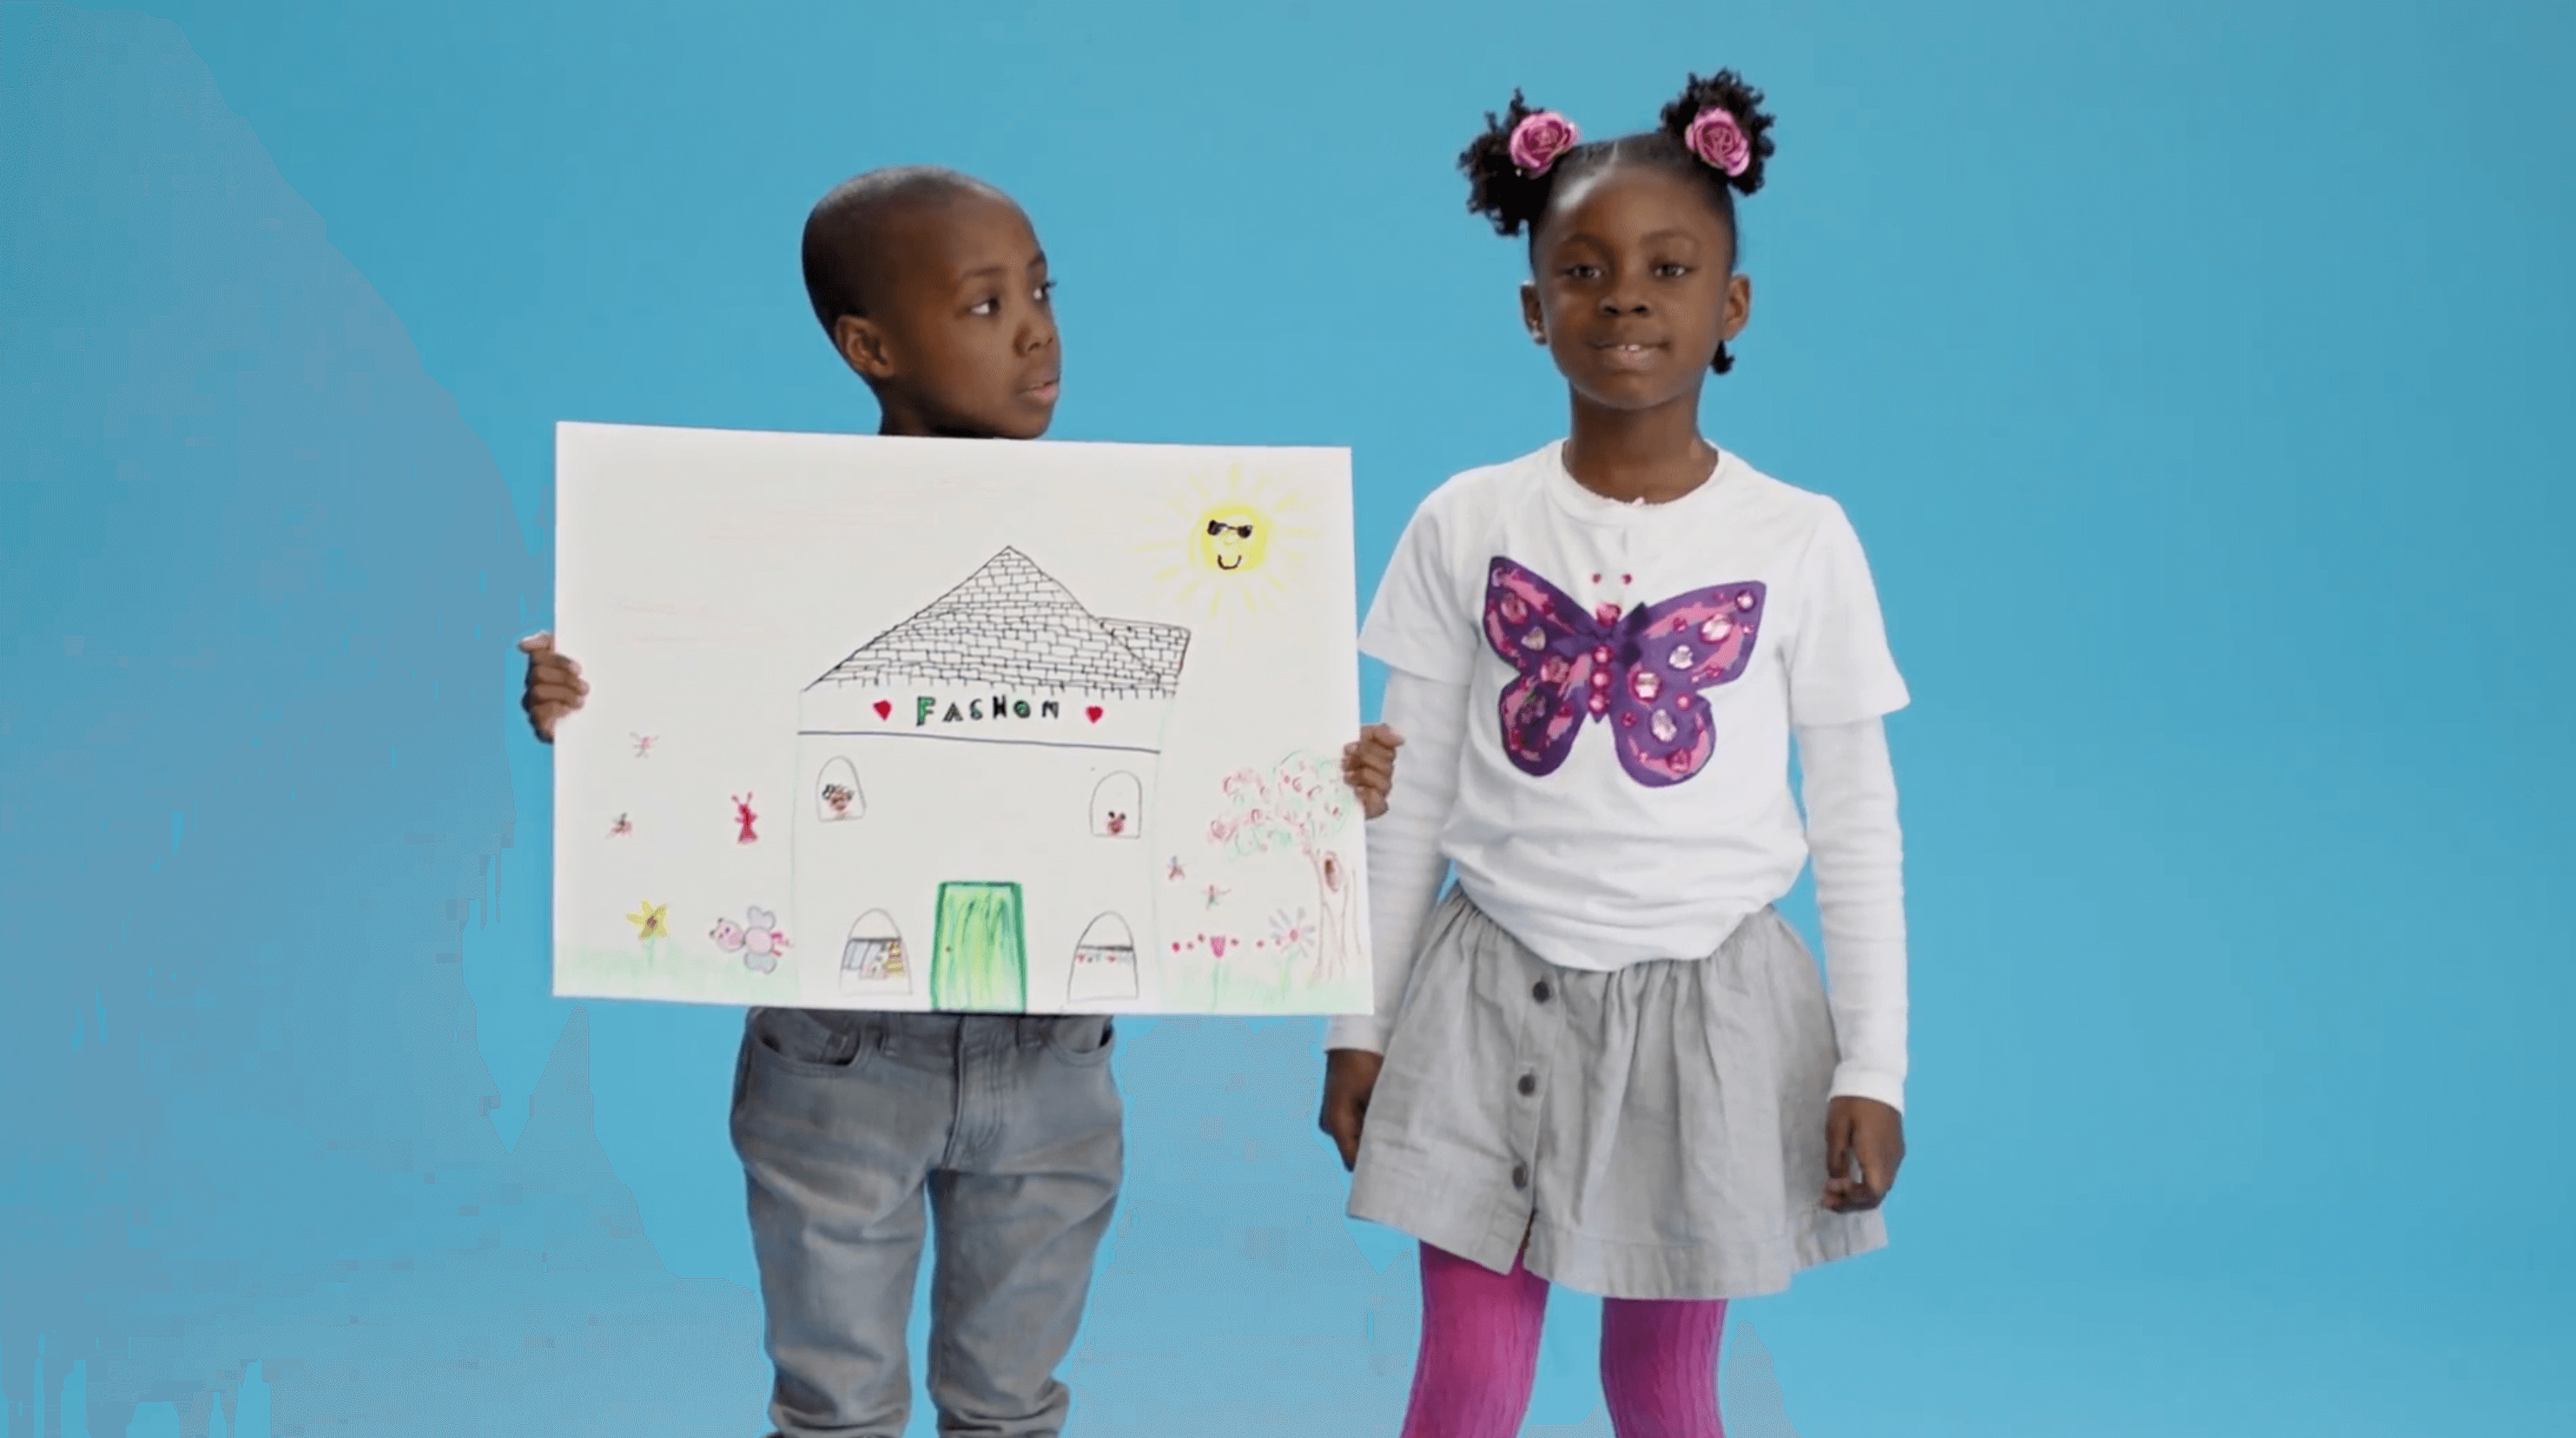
point(1634, 288)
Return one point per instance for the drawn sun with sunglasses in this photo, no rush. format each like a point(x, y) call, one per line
point(1239, 545)
point(1233, 540)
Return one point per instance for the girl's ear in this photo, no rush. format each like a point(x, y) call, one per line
point(1739, 306)
point(1531, 314)
point(863, 347)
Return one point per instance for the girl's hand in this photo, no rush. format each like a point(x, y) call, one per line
point(1350, 1076)
point(1369, 767)
point(1864, 1146)
point(555, 686)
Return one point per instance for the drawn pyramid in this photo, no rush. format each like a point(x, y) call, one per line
point(1013, 625)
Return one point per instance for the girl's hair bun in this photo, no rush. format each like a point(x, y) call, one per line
point(1497, 187)
point(1750, 148)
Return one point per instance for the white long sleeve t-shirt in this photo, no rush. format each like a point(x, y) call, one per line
point(1598, 701)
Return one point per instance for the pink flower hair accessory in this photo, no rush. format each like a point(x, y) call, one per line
point(1715, 137)
point(1538, 140)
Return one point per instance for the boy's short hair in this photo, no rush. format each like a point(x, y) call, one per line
point(844, 253)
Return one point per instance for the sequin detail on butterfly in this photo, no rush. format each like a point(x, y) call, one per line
point(1642, 672)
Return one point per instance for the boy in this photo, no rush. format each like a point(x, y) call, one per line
point(934, 290)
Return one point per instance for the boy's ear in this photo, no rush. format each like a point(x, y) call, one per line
point(863, 346)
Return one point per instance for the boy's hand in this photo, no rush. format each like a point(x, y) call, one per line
point(1350, 1076)
point(1864, 1145)
point(555, 686)
point(1369, 767)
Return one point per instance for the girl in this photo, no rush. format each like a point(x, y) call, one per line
point(1607, 1061)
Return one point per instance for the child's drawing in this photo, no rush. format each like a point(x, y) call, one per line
point(839, 799)
point(1299, 808)
point(1117, 808)
point(1055, 706)
point(998, 685)
point(651, 920)
point(1232, 549)
point(1235, 538)
point(1291, 935)
point(872, 960)
point(756, 939)
point(1104, 963)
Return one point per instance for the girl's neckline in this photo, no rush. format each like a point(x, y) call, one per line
point(1592, 508)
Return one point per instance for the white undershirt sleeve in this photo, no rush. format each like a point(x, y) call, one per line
point(1405, 864)
point(1859, 854)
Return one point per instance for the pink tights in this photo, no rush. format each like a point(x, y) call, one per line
point(1480, 1355)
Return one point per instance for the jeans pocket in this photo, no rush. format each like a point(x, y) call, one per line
point(813, 1041)
point(1082, 1038)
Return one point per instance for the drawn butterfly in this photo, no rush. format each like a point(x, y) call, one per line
point(757, 940)
point(1642, 673)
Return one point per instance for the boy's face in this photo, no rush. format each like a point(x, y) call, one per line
point(961, 341)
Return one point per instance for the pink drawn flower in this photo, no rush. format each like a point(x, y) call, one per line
point(1715, 137)
point(1289, 931)
point(1538, 140)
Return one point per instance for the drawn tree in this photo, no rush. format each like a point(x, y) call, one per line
point(1300, 806)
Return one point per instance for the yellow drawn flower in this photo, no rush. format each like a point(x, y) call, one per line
point(651, 920)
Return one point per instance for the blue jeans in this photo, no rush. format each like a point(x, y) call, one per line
point(1011, 1127)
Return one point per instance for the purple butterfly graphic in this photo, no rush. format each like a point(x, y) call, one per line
point(1640, 672)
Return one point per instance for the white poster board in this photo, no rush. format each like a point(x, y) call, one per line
point(973, 726)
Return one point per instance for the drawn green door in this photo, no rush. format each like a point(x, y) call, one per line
point(979, 951)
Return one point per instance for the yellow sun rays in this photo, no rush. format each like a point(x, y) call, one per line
point(1233, 548)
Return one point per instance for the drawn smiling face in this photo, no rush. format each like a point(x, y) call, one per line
point(1230, 536)
point(1231, 539)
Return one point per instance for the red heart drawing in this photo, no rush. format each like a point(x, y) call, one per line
point(1094, 712)
point(885, 709)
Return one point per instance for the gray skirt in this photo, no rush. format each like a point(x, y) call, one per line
point(1657, 1131)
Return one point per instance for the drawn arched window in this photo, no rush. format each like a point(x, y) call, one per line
point(1118, 808)
point(873, 958)
point(836, 793)
point(1104, 962)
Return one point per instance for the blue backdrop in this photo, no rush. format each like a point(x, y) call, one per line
point(2185, 367)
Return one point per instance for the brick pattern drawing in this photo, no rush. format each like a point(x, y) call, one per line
point(1011, 623)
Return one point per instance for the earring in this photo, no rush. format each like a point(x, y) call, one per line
point(1537, 335)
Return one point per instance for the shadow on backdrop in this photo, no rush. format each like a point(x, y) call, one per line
point(259, 578)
